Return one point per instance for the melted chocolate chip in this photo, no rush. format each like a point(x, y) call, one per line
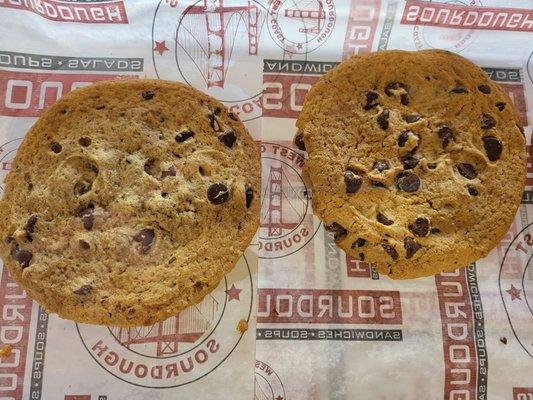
point(85, 141)
point(228, 138)
point(412, 118)
point(23, 257)
point(404, 99)
point(147, 94)
point(459, 89)
point(402, 139)
point(360, 242)
point(249, 197)
point(378, 184)
point(411, 247)
point(218, 193)
point(410, 162)
point(352, 181)
point(408, 182)
point(500, 106)
point(493, 147)
point(171, 171)
point(233, 116)
point(392, 86)
point(370, 97)
point(420, 227)
point(383, 219)
point(487, 121)
point(56, 147)
point(146, 238)
point(445, 135)
point(338, 231)
point(183, 136)
point(485, 89)
point(467, 170)
point(84, 245)
point(432, 165)
point(381, 165)
point(391, 251)
point(435, 231)
point(472, 190)
point(383, 119)
point(30, 227)
point(299, 141)
point(87, 217)
point(84, 290)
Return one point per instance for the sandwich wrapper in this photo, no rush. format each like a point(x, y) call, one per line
point(320, 324)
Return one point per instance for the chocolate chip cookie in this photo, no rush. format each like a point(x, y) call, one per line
point(416, 160)
point(129, 201)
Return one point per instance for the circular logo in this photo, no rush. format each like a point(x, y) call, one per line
point(268, 386)
point(301, 26)
point(8, 151)
point(182, 349)
point(516, 286)
point(436, 37)
point(200, 43)
point(287, 221)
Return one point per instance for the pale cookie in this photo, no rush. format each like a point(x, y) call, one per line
point(129, 201)
point(416, 160)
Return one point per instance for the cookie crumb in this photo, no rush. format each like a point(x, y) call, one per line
point(503, 339)
point(242, 326)
point(5, 351)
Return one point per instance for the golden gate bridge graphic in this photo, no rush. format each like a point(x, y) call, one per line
point(186, 327)
point(208, 31)
point(308, 10)
point(283, 205)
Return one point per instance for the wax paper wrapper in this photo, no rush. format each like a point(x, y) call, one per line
point(328, 327)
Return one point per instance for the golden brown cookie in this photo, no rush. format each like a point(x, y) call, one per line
point(416, 160)
point(129, 201)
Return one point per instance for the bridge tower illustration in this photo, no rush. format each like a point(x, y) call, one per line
point(186, 327)
point(282, 206)
point(209, 31)
point(304, 12)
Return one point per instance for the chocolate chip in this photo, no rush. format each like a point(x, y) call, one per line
point(84, 141)
point(402, 139)
point(23, 257)
point(299, 141)
point(409, 162)
point(378, 184)
point(360, 242)
point(84, 290)
point(392, 86)
point(381, 165)
point(84, 245)
point(503, 339)
point(383, 119)
point(56, 147)
point(215, 125)
point(445, 135)
point(164, 195)
point(420, 227)
point(404, 99)
point(218, 193)
point(408, 182)
point(459, 89)
point(467, 170)
point(198, 286)
point(412, 118)
point(391, 251)
point(249, 197)
point(233, 116)
point(487, 121)
point(370, 97)
point(184, 135)
point(87, 217)
point(432, 165)
point(500, 106)
point(472, 190)
point(171, 171)
point(8, 239)
point(149, 167)
point(383, 219)
point(30, 185)
point(100, 107)
point(216, 110)
point(338, 231)
point(361, 256)
point(201, 170)
point(484, 89)
point(30, 227)
point(147, 94)
point(493, 147)
point(352, 181)
point(411, 247)
point(435, 231)
point(228, 138)
point(146, 238)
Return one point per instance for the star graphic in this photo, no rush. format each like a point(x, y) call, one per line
point(514, 292)
point(300, 46)
point(279, 398)
point(233, 293)
point(160, 47)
